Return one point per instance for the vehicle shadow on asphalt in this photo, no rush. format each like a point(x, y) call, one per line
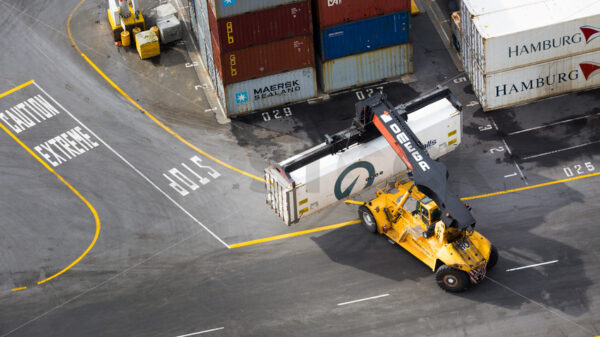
point(562, 286)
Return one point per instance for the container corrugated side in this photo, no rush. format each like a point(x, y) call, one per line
point(336, 12)
point(265, 92)
point(469, 9)
point(365, 68)
point(203, 35)
point(526, 84)
point(267, 59)
point(227, 8)
point(538, 33)
point(241, 31)
point(365, 35)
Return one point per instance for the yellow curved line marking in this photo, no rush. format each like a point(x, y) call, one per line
point(92, 209)
point(154, 119)
point(19, 289)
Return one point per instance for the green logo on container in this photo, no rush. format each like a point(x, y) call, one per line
point(339, 194)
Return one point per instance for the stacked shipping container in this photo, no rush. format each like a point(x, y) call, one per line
point(361, 42)
point(259, 53)
point(549, 48)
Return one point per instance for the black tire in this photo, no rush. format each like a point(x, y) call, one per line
point(493, 258)
point(452, 280)
point(367, 219)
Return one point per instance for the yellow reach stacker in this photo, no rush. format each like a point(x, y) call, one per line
point(419, 211)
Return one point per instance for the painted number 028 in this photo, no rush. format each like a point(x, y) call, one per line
point(277, 114)
point(579, 169)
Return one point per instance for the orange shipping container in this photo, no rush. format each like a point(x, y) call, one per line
point(264, 60)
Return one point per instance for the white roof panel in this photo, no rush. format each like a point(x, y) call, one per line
point(533, 16)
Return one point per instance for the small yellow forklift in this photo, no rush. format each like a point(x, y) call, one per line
point(419, 211)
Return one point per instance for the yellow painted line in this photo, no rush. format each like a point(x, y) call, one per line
point(532, 187)
point(284, 236)
point(92, 209)
point(18, 289)
point(154, 119)
point(290, 235)
point(6, 93)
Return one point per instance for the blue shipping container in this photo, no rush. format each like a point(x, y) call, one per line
point(365, 35)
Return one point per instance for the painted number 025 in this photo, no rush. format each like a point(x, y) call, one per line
point(277, 114)
point(579, 169)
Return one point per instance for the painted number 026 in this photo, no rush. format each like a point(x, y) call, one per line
point(277, 114)
point(579, 169)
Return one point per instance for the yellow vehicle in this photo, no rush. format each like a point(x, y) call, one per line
point(420, 212)
point(404, 214)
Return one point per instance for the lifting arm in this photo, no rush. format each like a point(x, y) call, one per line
point(430, 176)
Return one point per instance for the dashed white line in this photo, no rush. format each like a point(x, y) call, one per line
point(510, 153)
point(510, 175)
point(364, 299)
point(135, 169)
point(532, 266)
point(561, 150)
point(551, 124)
point(202, 332)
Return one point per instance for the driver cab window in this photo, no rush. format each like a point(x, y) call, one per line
point(424, 214)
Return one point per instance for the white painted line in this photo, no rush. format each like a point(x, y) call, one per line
point(521, 173)
point(201, 332)
point(364, 299)
point(561, 150)
point(510, 175)
point(551, 124)
point(533, 265)
point(211, 109)
point(510, 153)
point(506, 147)
point(135, 169)
point(495, 125)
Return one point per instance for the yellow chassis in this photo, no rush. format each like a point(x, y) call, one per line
point(130, 23)
point(466, 251)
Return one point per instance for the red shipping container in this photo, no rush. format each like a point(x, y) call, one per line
point(282, 22)
point(267, 59)
point(336, 12)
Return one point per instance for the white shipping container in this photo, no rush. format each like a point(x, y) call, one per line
point(270, 91)
point(342, 175)
point(526, 84)
point(469, 9)
point(535, 33)
point(365, 68)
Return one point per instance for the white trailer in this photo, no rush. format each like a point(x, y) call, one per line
point(349, 163)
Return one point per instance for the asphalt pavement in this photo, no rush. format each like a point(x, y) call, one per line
point(119, 221)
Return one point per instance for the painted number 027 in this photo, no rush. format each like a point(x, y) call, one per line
point(369, 92)
point(579, 169)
